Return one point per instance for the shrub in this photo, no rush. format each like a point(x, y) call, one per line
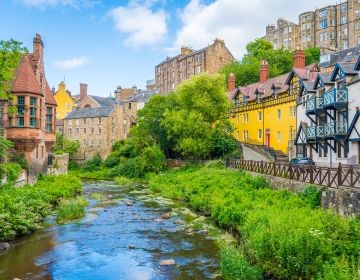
point(111, 161)
point(19, 158)
point(122, 181)
point(71, 209)
point(131, 168)
point(12, 171)
point(152, 159)
point(23, 209)
point(312, 196)
point(93, 164)
point(234, 265)
point(73, 165)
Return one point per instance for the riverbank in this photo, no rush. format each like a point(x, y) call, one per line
point(280, 234)
point(22, 210)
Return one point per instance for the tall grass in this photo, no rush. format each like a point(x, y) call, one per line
point(71, 209)
point(281, 233)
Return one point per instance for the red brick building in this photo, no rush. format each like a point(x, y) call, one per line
point(32, 127)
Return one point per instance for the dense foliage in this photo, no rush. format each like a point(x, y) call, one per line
point(190, 123)
point(282, 234)
point(23, 209)
point(281, 61)
point(64, 145)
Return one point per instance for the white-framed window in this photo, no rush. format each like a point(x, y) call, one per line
point(260, 133)
point(278, 136)
point(77, 122)
point(279, 114)
point(260, 116)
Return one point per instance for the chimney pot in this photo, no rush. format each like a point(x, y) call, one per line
point(231, 82)
point(264, 71)
point(299, 58)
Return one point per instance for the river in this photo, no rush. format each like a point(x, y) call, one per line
point(123, 236)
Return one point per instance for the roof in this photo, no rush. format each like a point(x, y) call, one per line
point(346, 56)
point(103, 101)
point(49, 97)
point(183, 56)
point(25, 80)
point(349, 68)
point(59, 122)
point(90, 113)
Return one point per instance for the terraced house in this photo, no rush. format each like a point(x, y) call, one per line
point(32, 127)
point(328, 129)
point(264, 115)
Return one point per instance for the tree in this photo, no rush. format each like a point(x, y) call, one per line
point(312, 55)
point(64, 145)
point(198, 117)
point(4, 145)
point(10, 55)
point(247, 70)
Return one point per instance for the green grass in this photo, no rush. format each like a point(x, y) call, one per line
point(283, 234)
point(22, 210)
point(123, 181)
point(97, 196)
point(71, 209)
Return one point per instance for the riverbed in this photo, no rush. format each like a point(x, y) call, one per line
point(126, 234)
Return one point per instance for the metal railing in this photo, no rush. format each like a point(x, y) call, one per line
point(335, 129)
point(332, 177)
point(314, 104)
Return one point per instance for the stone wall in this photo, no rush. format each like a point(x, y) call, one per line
point(345, 201)
point(60, 165)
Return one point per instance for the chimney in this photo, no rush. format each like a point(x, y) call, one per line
point(264, 71)
point(299, 58)
point(231, 82)
point(62, 86)
point(38, 45)
point(186, 50)
point(83, 91)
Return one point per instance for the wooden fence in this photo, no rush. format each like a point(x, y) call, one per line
point(340, 176)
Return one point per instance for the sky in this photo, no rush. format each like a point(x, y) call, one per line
point(108, 43)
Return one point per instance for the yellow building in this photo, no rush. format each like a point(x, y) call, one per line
point(265, 112)
point(64, 100)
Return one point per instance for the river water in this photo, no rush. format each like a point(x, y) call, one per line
point(121, 237)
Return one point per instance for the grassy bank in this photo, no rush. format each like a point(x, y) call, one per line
point(23, 209)
point(281, 235)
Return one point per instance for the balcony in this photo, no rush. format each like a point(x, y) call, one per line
point(336, 98)
point(314, 105)
point(315, 132)
point(335, 129)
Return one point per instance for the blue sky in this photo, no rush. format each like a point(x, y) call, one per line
point(109, 43)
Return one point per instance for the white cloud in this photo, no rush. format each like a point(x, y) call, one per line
point(52, 3)
point(143, 26)
point(235, 21)
point(72, 63)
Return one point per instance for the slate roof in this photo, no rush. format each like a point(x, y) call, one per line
point(325, 77)
point(103, 101)
point(349, 68)
point(25, 80)
point(90, 113)
point(183, 56)
point(309, 86)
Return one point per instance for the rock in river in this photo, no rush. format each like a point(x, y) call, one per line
point(165, 216)
point(4, 246)
point(129, 203)
point(167, 262)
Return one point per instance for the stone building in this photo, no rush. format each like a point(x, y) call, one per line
point(32, 127)
point(331, 28)
point(172, 71)
point(285, 34)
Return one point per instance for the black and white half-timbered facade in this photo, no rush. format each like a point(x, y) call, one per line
point(328, 125)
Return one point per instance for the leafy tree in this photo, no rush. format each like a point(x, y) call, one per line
point(4, 145)
point(10, 55)
point(247, 70)
point(199, 116)
point(312, 55)
point(64, 145)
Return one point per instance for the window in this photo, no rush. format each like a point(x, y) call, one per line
point(246, 134)
point(343, 20)
point(238, 116)
point(77, 122)
point(70, 131)
point(279, 114)
point(343, 8)
point(84, 121)
point(20, 111)
point(99, 143)
point(278, 136)
point(129, 105)
point(84, 142)
point(260, 133)
point(198, 69)
point(77, 131)
point(113, 130)
point(92, 130)
point(323, 13)
point(323, 37)
point(49, 119)
point(323, 24)
point(68, 105)
point(345, 31)
point(99, 120)
point(91, 143)
point(33, 112)
point(99, 130)
point(357, 13)
point(84, 130)
point(259, 115)
point(357, 25)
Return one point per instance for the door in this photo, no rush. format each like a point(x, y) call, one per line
point(268, 139)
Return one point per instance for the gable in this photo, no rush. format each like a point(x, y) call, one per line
point(338, 73)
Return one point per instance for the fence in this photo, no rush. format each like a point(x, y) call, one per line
point(341, 176)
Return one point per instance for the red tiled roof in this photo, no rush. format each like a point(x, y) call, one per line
point(49, 98)
point(25, 80)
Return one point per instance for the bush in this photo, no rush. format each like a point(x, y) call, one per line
point(93, 164)
point(312, 195)
point(73, 165)
point(234, 265)
point(19, 158)
point(12, 171)
point(71, 209)
point(22, 210)
point(152, 159)
point(111, 161)
point(131, 168)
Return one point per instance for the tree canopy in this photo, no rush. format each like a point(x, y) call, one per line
point(10, 55)
point(246, 70)
point(190, 123)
